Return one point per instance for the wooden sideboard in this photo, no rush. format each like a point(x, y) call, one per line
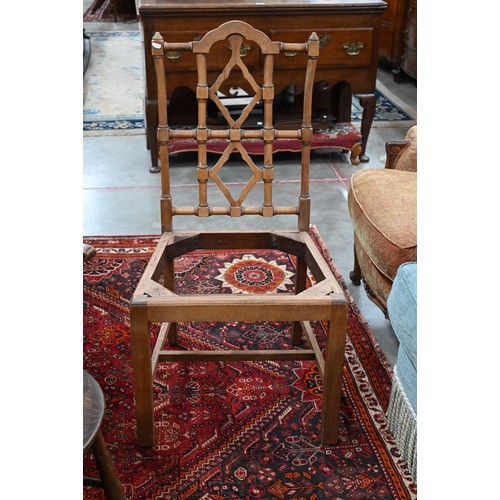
point(347, 65)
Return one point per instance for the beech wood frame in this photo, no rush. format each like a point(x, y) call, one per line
point(155, 301)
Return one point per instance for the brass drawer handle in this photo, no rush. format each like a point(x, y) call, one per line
point(173, 55)
point(353, 48)
point(244, 50)
point(289, 54)
point(324, 39)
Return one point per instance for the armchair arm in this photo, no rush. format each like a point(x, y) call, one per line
point(392, 150)
point(402, 155)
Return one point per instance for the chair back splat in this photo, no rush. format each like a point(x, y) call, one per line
point(238, 35)
point(314, 296)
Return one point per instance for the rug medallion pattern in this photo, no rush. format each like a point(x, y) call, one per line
point(239, 430)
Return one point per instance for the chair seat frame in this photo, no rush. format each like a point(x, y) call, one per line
point(155, 299)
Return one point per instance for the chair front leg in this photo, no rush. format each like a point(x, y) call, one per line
point(143, 378)
point(332, 379)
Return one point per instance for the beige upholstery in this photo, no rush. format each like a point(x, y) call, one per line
point(383, 208)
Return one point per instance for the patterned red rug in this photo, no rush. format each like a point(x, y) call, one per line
point(235, 430)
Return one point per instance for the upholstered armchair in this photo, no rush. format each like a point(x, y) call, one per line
point(383, 207)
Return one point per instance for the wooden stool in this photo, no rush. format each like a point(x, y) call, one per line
point(93, 411)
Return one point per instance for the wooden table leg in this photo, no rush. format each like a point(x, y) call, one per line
point(151, 116)
point(107, 472)
point(114, 4)
point(368, 102)
point(332, 380)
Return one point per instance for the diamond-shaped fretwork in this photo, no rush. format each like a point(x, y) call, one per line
point(235, 42)
point(214, 173)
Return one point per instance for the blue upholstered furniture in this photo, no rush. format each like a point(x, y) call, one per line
point(402, 410)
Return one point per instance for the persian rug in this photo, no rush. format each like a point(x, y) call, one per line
point(239, 430)
point(113, 85)
point(114, 90)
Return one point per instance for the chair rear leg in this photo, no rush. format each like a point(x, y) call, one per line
point(300, 286)
point(143, 378)
point(332, 379)
point(169, 277)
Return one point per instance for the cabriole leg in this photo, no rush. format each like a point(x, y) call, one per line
point(355, 274)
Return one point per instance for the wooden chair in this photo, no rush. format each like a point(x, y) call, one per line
point(155, 300)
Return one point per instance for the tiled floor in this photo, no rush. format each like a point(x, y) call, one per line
point(121, 196)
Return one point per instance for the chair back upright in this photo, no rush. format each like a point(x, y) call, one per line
point(238, 35)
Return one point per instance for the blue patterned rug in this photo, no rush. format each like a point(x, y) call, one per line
point(114, 89)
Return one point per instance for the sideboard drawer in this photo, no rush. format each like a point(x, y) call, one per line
point(216, 60)
point(338, 47)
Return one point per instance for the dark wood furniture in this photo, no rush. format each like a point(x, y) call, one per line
point(155, 300)
point(348, 32)
point(408, 58)
point(103, 4)
point(93, 440)
point(86, 51)
point(89, 252)
point(391, 27)
point(398, 36)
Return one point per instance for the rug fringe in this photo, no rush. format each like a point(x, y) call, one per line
point(403, 424)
